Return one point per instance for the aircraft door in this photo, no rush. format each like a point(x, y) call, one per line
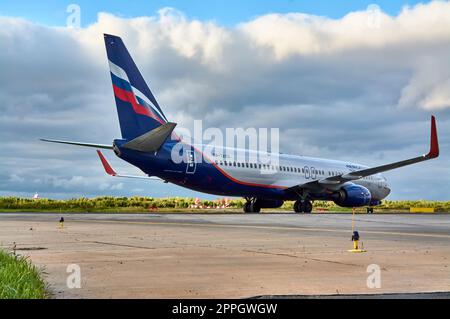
point(307, 173)
point(191, 164)
point(313, 172)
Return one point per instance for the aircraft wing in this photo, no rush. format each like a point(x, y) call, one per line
point(355, 175)
point(109, 170)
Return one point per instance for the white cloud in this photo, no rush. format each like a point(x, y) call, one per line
point(298, 33)
point(335, 87)
point(16, 178)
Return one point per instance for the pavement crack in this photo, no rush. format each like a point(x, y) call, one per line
point(271, 253)
point(303, 257)
point(120, 245)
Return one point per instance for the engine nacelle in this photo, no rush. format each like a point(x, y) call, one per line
point(268, 203)
point(352, 196)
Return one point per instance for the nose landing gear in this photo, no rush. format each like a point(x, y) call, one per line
point(303, 206)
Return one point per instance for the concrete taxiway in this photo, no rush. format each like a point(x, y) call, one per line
point(232, 255)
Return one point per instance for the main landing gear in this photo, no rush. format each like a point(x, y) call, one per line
point(369, 210)
point(251, 206)
point(302, 206)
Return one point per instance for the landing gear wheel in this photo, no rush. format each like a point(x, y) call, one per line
point(254, 208)
point(369, 210)
point(307, 207)
point(298, 206)
point(251, 206)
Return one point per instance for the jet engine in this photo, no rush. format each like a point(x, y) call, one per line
point(352, 195)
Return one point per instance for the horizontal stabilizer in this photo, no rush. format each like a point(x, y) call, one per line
point(152, 140)
point(105, 146)
point(110, 171)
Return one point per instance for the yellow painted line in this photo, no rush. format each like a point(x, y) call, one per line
point(260, 227)
point(421, 210)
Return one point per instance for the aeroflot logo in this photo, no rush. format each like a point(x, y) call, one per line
point(123, 90)
point(251, 147)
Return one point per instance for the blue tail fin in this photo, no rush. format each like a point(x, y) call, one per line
point(137, 108)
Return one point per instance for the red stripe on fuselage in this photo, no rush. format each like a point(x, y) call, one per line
point(129, 97)
point(231, 177)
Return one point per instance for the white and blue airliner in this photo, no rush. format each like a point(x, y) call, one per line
point(148, 140)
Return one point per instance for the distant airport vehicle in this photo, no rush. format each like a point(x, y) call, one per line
point(148, 141)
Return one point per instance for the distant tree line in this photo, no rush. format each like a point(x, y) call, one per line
point(149, 203)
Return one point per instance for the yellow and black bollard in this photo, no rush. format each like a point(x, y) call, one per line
point(61, 222)
point(355, 237)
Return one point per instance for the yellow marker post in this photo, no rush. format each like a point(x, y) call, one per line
point(355, 237)
point(61, 223)
point(353, 219)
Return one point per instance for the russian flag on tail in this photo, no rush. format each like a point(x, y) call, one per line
point(137, 108)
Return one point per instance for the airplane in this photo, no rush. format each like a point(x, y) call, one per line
point(148, 140)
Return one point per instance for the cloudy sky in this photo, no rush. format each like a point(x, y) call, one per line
point(347, 82)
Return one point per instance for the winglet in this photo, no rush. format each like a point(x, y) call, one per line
point(106, 165)
point(434, 145)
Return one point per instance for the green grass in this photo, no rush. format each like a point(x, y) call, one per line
point(19, 279)
point(107, 204)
